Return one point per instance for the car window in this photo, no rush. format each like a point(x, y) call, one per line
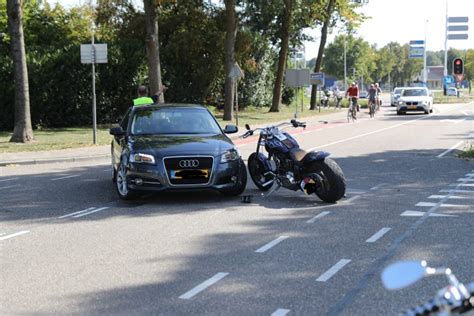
point(173, 121)
point(415, 92)
point(125, 119)
point(397, 91)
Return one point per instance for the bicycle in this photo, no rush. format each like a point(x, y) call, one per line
point(372, 108)
point(352, 110)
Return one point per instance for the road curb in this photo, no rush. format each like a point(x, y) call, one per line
point(53, 160)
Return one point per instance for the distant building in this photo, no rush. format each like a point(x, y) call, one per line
point(435, 77)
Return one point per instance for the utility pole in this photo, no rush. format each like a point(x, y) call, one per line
point(425, 73)
point(94, 106)
point(345, 64)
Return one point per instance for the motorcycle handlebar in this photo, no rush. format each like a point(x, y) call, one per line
point(434, 306)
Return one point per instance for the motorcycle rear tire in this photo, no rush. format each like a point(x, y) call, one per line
point(335, 183)
point(257, 170)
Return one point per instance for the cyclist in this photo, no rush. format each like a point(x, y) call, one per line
point(378, 98)
point(372, 99)
point(353, 93)
point(337, 97)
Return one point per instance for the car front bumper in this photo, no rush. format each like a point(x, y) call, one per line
point(155, 178)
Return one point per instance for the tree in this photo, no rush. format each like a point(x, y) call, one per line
point(231, 34)
point(282, 55)
point(322, 44)
point(153, 48)
point(22, 131)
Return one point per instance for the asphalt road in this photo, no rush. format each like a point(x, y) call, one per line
point(68, 245)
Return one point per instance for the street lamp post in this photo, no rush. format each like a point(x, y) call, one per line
point(345, 64)
point(94, 107)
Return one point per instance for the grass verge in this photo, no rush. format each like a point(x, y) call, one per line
point(467, 153)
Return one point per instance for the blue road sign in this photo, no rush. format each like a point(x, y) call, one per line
point(448, 80)
point(417, 42)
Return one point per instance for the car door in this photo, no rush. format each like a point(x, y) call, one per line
point(120, 142)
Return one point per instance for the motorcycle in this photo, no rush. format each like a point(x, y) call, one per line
point(456, 298)
point(288, 166)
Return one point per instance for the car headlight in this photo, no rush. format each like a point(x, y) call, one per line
point(142, 158)
point(400, 102)
point(425, 102)
point(230, 155)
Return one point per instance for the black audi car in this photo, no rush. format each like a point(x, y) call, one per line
point(174, 147)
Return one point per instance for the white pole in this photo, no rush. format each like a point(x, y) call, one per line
point(94, 110)
point(446, 42)
point(425, 74)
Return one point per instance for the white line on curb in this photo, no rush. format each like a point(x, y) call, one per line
point(271, 244)
point(280, 312)
point(449, 150)
point(15, 234)
point(201, 287)
point(334, 269)
point(378, 234)
point(66, 177)
point(314, 219)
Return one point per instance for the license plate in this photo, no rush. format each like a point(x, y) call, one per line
point(189, 174)
point(412, 107)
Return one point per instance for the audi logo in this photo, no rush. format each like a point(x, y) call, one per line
point(192, 163)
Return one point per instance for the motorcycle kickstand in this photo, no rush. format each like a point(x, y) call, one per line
point(273, 189)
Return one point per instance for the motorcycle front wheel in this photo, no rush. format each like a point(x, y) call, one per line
point(333, 185)
point(257, 172)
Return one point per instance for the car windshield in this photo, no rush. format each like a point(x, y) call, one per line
point(157, 121)
point(415, 92)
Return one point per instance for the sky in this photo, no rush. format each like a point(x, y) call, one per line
point(404, 20)
point(396, 20)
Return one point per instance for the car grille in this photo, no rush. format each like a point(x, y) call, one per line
point(412, 103)
point(188, 170)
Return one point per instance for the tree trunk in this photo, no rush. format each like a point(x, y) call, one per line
point(285, 38)
point(322, 44)
point(231, 34)
point(22, 131)
point(153, 48)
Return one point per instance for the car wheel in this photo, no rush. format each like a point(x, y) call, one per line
point(121, 184)
point(242, 183)
point(399, 112)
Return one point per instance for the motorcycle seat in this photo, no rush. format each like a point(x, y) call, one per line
point(298, 154)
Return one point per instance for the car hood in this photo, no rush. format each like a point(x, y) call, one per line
point(414, 98)
point(176, 145)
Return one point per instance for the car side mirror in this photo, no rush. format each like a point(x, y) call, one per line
point(117, 131)
point(231, 129)
point(247, 127)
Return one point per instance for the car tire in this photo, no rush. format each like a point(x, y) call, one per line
point(123, 191)
point(242, 184)
point(399, 112)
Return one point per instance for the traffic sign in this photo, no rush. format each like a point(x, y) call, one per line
point(93, 53)
point(417, 42)
point(295, 78)
point(457, 36)
point(236, 72)
point(458, 19)
point(456, 28)
point(448, 80)
point(317, 78)
point(417, 52)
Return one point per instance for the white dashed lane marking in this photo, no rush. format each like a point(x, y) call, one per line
point(334, 269)
point(280, 312)
point(378, 235)
point(449, 150)
point(271, 244)
point(320, 215)
point(85, 212)
point(410, 213)
point(447, 197)
point(201, 287)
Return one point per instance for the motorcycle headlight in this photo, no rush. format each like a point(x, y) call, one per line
point(230, 155)
point(142, 158)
